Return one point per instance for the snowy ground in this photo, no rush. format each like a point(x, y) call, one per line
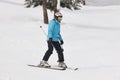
point(102, 2)
point(91, 36)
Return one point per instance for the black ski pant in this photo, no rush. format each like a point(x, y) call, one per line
point(57, 47)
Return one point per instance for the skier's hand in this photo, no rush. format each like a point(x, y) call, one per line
point(61, 42)
point(50, 40)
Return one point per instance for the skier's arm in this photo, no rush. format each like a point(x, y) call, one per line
point(50, 29)
point(61, 40)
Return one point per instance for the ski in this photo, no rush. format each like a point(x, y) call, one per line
point(72, 68)
point(51, 67)
point(54, 67)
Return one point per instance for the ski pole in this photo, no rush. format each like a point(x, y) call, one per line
point(43, 31)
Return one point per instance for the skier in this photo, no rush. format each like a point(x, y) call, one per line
point(54, 40)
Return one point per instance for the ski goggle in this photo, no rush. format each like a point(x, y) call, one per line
point(60, 16)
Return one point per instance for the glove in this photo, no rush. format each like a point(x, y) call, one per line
point(61, 42)
point(50, 40)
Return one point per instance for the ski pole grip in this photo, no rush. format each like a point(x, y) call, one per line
point(40, 26)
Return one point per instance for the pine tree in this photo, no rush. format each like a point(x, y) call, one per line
point(52, 5)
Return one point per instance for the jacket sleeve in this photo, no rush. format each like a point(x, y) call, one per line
point(50, 29)
point(60, 37)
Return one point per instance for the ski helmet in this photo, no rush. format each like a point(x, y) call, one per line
point(58, 15)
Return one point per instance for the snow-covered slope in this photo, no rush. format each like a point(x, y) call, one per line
point(91, 36)
point(103, 2)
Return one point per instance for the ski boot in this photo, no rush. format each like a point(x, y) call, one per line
point(62, 64)
point(44, 64)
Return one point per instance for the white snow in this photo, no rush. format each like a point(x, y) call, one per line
point(102, 2)
point(91, 36)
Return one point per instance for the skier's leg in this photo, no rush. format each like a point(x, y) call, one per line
point(48, 52)
point(59, 51)
point(60, 54)
point(44, 63)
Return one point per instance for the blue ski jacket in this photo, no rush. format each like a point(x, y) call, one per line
point(54, 31)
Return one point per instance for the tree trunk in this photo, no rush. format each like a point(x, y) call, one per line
point(55, 5)
point(45, 15)
point(58, 4)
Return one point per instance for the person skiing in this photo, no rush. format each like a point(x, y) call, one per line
point(54, 40)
